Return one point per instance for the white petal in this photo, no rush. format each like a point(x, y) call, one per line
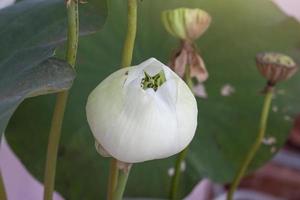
point(135, 125)
point(187, 112)
point(143, 131)
point(167, 94)
point(101, 150)
point(105, 103)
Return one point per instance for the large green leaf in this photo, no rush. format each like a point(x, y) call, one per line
point(30, 31)
point(227, 124)
point(50, 76)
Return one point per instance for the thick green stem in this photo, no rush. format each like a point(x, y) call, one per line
point(128, 47)
point(131, 33)
point(53, 143)
point(60, 105)
point(73, 32)
point(113, 178)
point(2, 189)
point(121, 185)
point(175, 182)
point(255, 146)
point(176, 178)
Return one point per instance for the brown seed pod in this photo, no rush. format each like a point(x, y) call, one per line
point(186, 24)
point(275, 67)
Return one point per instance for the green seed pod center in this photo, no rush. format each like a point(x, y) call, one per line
point(153, 82)
point(280, 59)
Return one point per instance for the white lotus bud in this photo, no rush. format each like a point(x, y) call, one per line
point(142, 113)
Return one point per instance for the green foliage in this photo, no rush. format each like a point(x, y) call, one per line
point(52, 75)
point(227, 124)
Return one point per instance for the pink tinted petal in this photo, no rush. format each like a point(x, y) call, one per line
point(6, 3)
point(289, 7)
point(202, 191)
point(19, 183)
point(197, 68)
point(180, 63)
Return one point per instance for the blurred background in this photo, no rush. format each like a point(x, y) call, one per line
point(229, 104)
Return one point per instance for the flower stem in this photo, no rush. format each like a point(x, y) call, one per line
point(176, 178)
point(175, 182)
point(255, 146)
point(60, 105)
point(188, 78)
point(53, 143)
point(121, 185)
point(131, 33)
point(115, 176)
point(2, 189)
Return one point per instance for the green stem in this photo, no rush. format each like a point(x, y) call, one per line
point(255, 146)
point(116, 176)
point(113, 178)
point(73, 32)
point(188, 79)
point(175, 182)
point(60, 105)
point(121, 185)
point(176, 178)
point(2, 189)
point(53, 143)
point(131, 33)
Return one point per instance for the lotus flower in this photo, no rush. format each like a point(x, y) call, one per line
point(142, 113)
